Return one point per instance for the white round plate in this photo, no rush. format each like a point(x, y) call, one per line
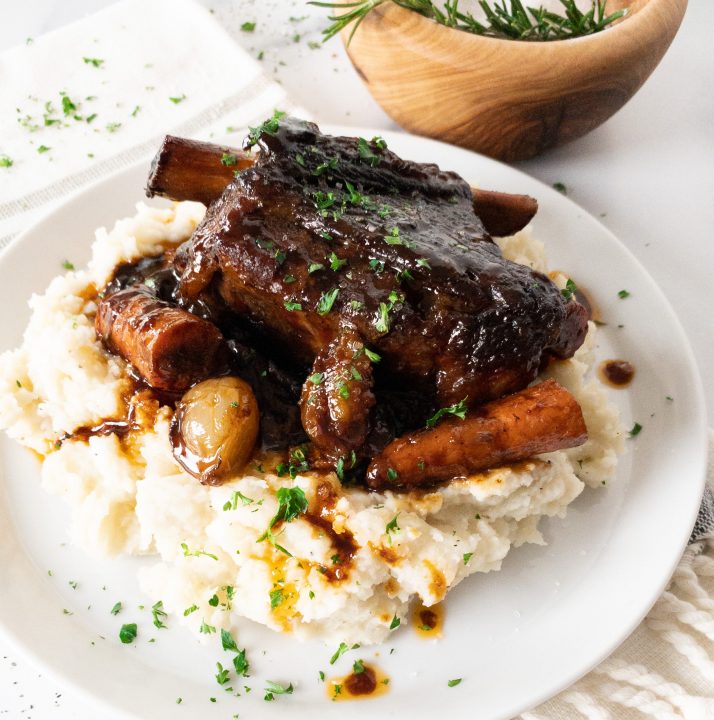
point(516, 637)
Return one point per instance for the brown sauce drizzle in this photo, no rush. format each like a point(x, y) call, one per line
point(616, 373)
point(428, 622)
point(369, 683)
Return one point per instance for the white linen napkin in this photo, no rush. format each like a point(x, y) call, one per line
point(99, 94)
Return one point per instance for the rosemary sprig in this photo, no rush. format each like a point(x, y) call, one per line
point(508, 19)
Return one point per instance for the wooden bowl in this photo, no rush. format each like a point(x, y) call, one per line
point(506, 98)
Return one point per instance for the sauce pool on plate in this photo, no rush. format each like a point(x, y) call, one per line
point(365, 681)
point(616, 373)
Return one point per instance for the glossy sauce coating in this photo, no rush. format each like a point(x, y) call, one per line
point(370, 682)
point(616, 373)
point(428, 622)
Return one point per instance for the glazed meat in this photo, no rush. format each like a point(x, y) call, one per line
point(325, 231)
point(536, 420)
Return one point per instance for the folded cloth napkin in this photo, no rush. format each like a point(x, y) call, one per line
point(142, 68)
point(99, 94)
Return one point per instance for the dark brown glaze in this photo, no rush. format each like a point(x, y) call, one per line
point(537, 420)
point(446, 311)
point(616, 373)
point(337, 397)
point(169, 347)
point(365, 681)
point(189, 170)
point(428, 622)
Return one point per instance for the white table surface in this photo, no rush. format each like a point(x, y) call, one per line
point(648, 174)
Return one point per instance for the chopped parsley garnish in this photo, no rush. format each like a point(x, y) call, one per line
point(291, 503)
point(68, 107)
point(134, 112)
point(248, 27)
point(196, 553)
point(341, 650)
point(377, 265)
point(372, 355)
point(344, 391)
point(223, 674)
point(569, 290)
point(327, 300)
point(383, 323)
point(177, 99)
point(241, 664)
point(392, 527)
point(227, 641)
point(335, 262)
point(277, 689)
point(321, 675)
point(423, 262)
point(314, 267)
point(292, 305)
point(94, 62)
point(393, 238)
point(358, 667)
point(276, 598)
point(213, 600)
point(325, 166)
point(206, 629)
point(560, 187)
point(67, 265)
point(128, 633)
point(113, 127)
point(269, 126)
point(459, 409)
point(396, 622)
point(454, 682)
point(229, 159)
point(43, 149)
point(6, 161)
point(116, 609)
point(190, 610)
point(380, 142)
point(356, 375)
point(288, 279)
point(158, 613)
point(324, 200)
point(467, 557)
point(89, 119)
point(392, 474)
point(232, 504)
point(316, 378)
point(636, 430)
point(366, 153)
point(622, 294)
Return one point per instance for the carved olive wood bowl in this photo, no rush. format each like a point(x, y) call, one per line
point(505, 98)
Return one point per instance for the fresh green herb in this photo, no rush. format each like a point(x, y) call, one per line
point(392, 474)
point(190, 610)
point(459, 409)
point(276, 598)
point(89, 119)
point(179, 700)
point(134, 112)
point(321, 675)
point(336, 560)
point(67, 265)
point(669, 397)
point(383, 323)
point(636, 430)
point(366, 153)
point(569, 290)
point(260, 55)
point(292, 305)
point(116, 609)
point(291, 503)
point(327, 300)
point(324, 200)
point(358, 667)
point(311, 594)
point(206, 629)
point(229, 159)
point(6, 161)
point(622, 294)
point(356, 375)
point(377, 265)
point(127, 633)
point(241, 664)
point(223, 674)
point(177, 99)
point(277, 689)
point(316, 378)
point(113, 127)
point(227, 641)
point(289, 279)
point(314, 267)
point(341, 650)
point(314, 45)
point(213, 600)
point(158, 613)
point(196, 553)
point(467, 557)
point(393, 238)
point(232, 504)
point(248, 27)
point(43, 149)
point(396, 622)
point(325, 166)
point(269, 126)
point(340, 469)
point(512, 21)
point(300, 159)
point(392, 527)
point(68, 107)
point(372, 355)
point(337, 689)
point(335, 262)
point(94, 62)
point(454, 682)
point(560, 187)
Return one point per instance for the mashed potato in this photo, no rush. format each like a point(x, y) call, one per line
point(129, 496)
